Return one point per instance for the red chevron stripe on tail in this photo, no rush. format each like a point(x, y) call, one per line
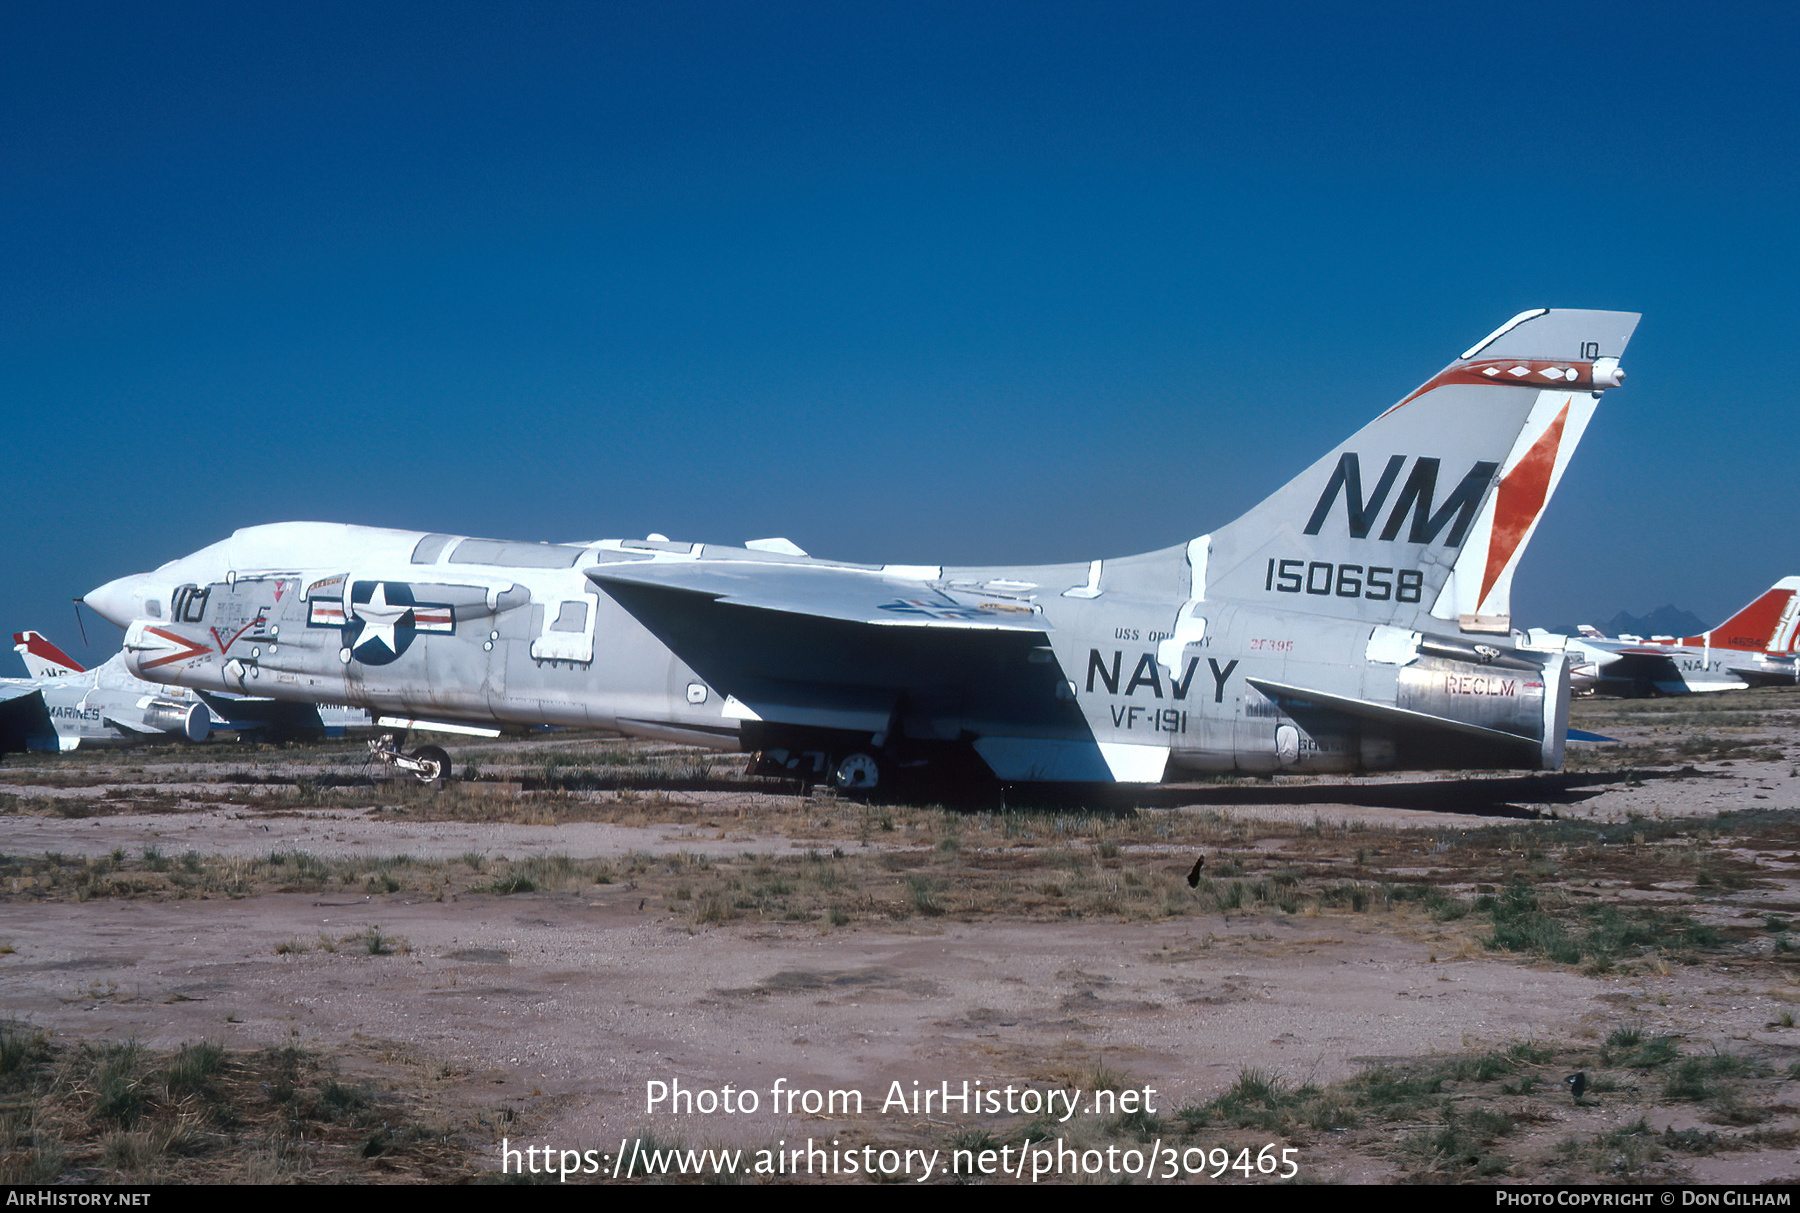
point(32, 644)
point(1520, 499)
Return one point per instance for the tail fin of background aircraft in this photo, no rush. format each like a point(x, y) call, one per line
point(1420, 518)
point(1768, 625)
point(43, 659)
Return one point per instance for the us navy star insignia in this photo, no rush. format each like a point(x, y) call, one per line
point(379, 619)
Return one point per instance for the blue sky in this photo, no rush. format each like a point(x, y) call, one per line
point(908, 282)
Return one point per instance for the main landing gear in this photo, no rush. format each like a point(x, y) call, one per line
point(855, 772)
point(882, 764)
point(428, 764)
point(924, 769)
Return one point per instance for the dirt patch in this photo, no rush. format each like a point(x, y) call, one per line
point(1388, 992)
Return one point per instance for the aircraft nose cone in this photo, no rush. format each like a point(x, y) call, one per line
point(121, 601)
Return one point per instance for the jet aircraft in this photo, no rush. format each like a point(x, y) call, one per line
point(62, 706)
point(1755, 647)
point(1357, 619)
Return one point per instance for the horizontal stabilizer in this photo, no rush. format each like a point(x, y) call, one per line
point(1385, 713)
point(824, 592)
point(1406, 724)
point(1771, 671)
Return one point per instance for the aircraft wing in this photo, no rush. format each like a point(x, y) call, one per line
point(275, 718)
point(24, 718)
point(855, 650)
point(10, 690)
point(825, 592)
point(1654, 670)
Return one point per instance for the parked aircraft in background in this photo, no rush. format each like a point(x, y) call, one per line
point(1358, 619)
point(1755, 647)
point(62, 706)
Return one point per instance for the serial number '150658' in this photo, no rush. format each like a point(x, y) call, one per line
point(1343, 580)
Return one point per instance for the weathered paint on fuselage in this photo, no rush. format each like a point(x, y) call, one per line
point(408, 625)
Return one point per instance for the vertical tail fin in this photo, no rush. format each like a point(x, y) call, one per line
point(1420, 518)
point(1768, 625)
point(43, 659)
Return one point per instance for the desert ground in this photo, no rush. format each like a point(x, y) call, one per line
point(232, 963)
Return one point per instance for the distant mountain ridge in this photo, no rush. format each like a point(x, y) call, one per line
point(1663, 621)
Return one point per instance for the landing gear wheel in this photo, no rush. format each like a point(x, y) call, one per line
point(857, 773)
point(435, 765)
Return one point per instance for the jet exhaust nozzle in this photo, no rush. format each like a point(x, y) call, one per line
point(190, 720)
